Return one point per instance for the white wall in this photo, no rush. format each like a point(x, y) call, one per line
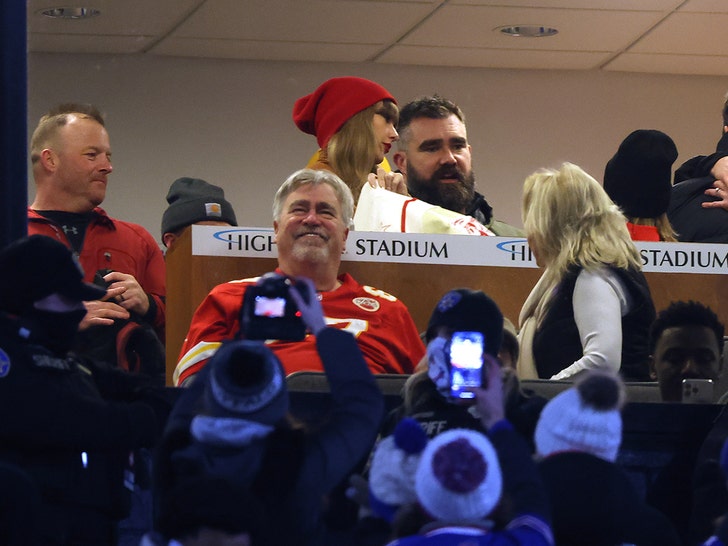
point(229, 122)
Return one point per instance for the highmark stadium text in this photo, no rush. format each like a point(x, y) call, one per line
point(418, 249)
point(693, 258)
point(454, 250)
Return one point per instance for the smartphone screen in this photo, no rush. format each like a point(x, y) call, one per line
point(466, 362)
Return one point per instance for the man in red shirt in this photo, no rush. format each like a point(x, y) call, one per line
point(71, 158)
point(312, 213)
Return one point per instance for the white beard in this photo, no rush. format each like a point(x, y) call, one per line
point(302, 251)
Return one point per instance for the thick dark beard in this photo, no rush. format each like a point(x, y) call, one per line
point(454, 197)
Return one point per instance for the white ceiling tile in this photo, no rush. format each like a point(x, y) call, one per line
point(580, 30)
point(85, 43)
point(687, 33)
point(629, 5)
point(494, 58)
point(670, 64)
point(294, 20)
point(118, 17)
point(270, 51)
point(705, 6)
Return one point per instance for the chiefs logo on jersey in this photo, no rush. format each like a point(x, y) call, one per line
point(367, 304)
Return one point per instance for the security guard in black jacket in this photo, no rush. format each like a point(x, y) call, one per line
point(70, 424)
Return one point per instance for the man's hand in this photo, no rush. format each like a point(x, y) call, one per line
point(393, 182)
point(127, 292)
point(719, 191)
point(311, 312)
point(102, 313)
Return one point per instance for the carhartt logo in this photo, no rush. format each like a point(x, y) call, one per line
point(213, 209)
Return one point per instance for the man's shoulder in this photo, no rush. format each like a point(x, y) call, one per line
point(124, 225)
point(481, 210)
point(501, 229)
point(366, 290)
point(692, 186)
point(234, 287)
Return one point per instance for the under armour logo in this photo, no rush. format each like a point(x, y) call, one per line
point(71, 229)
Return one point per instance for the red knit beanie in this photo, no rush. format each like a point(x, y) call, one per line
point(334, 102)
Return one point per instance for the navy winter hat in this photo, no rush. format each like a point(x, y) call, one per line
point(246, 381)
point(192, 200)
point(638, 177)
point(35, 267)
point(469, 310)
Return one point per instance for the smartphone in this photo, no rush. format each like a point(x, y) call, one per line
point(466, 363)
point(697, 391)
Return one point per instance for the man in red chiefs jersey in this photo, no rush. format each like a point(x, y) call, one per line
point(312, 213)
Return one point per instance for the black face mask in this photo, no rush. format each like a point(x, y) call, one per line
point(51, 329)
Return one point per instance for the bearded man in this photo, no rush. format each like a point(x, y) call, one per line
point(435, 157)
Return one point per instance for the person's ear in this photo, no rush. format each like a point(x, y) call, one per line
point(48, 158)
point(400, 161)
point(346, 236)
point(168, 239)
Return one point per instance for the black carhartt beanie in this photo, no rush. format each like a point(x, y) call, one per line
point(192, 200)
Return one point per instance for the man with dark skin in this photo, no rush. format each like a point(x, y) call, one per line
point(686, 342)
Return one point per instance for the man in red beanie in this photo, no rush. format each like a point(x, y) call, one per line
point(312, 214)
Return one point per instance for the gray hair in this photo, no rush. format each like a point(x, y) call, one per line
point(310, 176)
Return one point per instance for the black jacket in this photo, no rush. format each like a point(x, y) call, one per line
point(556, 343)
point(58, 427)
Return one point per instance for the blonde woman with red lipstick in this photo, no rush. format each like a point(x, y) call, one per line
point(354, 121)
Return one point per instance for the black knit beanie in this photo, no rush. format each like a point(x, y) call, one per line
point(638, 177)
point(193, 200)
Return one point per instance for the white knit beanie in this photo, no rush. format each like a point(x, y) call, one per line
point(584, 418)
point(459, 477)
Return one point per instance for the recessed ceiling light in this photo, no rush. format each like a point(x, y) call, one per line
point(527, 31)
point(70, 13)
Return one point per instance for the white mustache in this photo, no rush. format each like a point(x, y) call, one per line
point(312, 232)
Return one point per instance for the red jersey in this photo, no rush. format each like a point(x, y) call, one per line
point(381, 324)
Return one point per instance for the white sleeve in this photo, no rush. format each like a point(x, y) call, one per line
point(600, 300)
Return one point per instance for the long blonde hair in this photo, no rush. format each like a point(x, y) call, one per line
point(352, 150)
point(571, 221)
